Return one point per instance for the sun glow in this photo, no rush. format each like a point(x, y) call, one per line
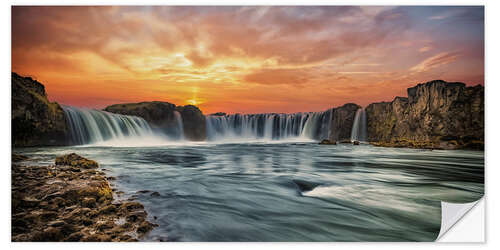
point(193, 102)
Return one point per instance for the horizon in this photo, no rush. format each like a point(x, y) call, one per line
point(245, 60)
point(270, 112)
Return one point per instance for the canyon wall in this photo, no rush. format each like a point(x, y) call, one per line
point(436, 114)
point(35, 120)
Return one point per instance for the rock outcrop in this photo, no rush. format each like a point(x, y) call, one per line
point(435, 114)
point(161, 116)
point(71, 201)
point(158, 114)
point(342, 121)
point(193, 120)
point(35, 120)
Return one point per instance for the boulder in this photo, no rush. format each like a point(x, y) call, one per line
point(76, 160)
point(327, 142)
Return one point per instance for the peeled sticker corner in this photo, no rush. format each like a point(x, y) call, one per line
point(451, 213)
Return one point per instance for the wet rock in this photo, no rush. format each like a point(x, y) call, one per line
point(29, 202)
point(76, 236)
point(49, 234)
point(96, 238)
point(108, 209)
point(328, 142)
point(136, 216)
point(155, 194)
point(145, 227)
point(76, 160)
point(305, 186)
point(102, 225)
point(58, 201)
point(49, 206)
point(89, 202)
point(129, 206)
point(18, 158)
point(355, 142)
point(56, 223)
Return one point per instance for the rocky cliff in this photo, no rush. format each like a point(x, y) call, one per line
point(161, 115)
point(35, 120)
point(193, 120)
point(435, 114)
point(342, 121)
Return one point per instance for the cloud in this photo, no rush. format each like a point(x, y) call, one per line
point(288, 35)
point(448, 13)
point(435, 61)
point(425, 49)
point(319, 53)
point(279, 76)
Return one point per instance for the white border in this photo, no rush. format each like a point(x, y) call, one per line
point(492, 85)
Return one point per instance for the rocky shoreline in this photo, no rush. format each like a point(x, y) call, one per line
point(71, 201)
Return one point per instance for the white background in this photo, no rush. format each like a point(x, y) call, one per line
point(468, 229)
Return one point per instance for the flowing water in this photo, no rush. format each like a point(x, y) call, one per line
point(275, 183)
point(358, 132)
point(90, 126)
point(288, 191)
point(313, 125)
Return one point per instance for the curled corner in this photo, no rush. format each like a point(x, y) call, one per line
point(451, 213)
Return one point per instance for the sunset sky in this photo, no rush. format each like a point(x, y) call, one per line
point(245, 59)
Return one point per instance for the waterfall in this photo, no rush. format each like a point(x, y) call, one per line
point(89, 126)
point(358, 132)
point(179, 125)
point(313, 125)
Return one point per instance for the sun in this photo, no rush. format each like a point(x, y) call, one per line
point(193, 102)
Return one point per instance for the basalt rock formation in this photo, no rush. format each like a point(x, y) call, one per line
point(35, 120)
point(435, 114)
point(161, 115)
point(342, 121)
point(193, 121)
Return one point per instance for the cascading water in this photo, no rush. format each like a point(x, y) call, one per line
point(269, 126)
point(179, 125)
point(89, 126)
point(358, 132)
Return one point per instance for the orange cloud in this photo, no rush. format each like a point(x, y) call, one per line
point(240, 59)
point(436, 61)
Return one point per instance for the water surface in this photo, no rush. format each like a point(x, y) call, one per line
point(293, 191)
